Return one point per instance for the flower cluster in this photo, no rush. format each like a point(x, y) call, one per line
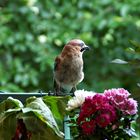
point(108, 112)
point(119, 99)
point(96, 111)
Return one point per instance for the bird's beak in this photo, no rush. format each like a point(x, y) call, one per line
point(85, 48)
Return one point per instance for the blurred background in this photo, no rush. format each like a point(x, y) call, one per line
point(33, 33)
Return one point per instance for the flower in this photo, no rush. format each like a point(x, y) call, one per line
point(97, 109)
point(120, 92)
point(107, 116)
point(86, 110)
point(104, 115)
point(88, 127)
point(78, 99)
point(130, 107)
point(103, 120)
point(92, 104)
point(119, 98)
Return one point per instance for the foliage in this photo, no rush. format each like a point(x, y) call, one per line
point(36, 115)
point(34, 32)
point(57, 105)
point(134, 63)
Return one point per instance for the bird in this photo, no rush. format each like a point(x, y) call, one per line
point(68, 67)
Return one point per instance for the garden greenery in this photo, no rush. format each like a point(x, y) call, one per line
point(33, 32)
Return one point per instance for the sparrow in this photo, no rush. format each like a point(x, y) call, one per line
point(68, 67)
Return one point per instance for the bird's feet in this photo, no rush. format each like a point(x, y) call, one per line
point(58, 93)
point(55, 93)
point(73, 90)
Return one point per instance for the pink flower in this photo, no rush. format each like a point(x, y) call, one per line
point(119, 98)
point(130, 107)
point(113, 92)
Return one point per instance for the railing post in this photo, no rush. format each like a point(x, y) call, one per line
point(67, 128)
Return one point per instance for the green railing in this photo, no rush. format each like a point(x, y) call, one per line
point(20, 96)
point(67, 128)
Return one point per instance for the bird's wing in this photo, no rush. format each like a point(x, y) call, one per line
point(56, 87)
point(57, 63)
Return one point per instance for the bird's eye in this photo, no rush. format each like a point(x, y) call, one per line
point(81, 44)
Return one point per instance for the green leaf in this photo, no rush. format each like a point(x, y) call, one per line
point(37, 127)
point(8, 111)
point(8, 125)
point(138, 84)
point(37, 111)
point(10, 103)
point(57, 106)
point(131, 132)
point(131, 50)
point(36, 115)
point(134, 43)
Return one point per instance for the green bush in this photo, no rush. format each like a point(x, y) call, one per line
point(33, 32)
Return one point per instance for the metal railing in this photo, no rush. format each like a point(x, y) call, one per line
point(20, 96)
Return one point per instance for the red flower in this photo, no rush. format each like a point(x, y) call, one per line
point(87, 110)
point(96, 110)
point(106, 115)
point(99, 99)
point(88, 127)
point(103, 120)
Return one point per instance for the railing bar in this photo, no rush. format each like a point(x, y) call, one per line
point(67, 129)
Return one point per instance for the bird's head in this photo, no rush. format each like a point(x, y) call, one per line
point(76, 44)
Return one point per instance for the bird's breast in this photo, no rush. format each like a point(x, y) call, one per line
point(71, 72)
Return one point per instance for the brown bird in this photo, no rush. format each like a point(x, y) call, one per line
point(68, 70)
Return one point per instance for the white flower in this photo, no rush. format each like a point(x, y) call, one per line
point(78, 99)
